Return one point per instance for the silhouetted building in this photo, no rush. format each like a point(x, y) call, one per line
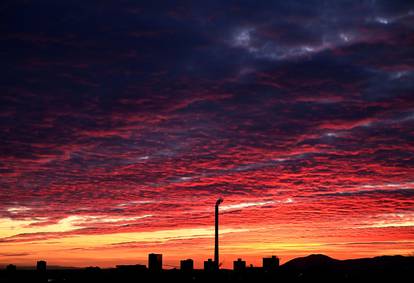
point(41, 266)
point(134, 267)
point(11, 268)
point(155, 262)
point(239, 265)
point(187, 265)
point(209, 265)
point(270, 263)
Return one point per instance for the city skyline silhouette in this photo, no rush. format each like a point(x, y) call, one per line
point(306, 269)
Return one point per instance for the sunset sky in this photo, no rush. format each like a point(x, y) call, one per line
point(122, 123)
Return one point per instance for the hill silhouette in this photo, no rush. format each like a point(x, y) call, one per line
point(322, 267)
point(310, 261)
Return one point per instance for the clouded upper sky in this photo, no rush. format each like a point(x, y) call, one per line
point(121, 123)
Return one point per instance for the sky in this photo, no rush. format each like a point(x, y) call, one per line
point(122, 122)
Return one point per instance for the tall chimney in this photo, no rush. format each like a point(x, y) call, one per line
point(216, 242)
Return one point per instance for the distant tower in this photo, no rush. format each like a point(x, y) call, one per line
point(270, 263)
point(187, 265)
point(41, 266)
point(216, 243)
point(239, 265)
point(155, 262)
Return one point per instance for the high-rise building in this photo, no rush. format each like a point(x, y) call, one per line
point(239, 265)
point(41, 266)
point(209, 265)
point(187, 265)
point(270, 263)
point(155, 262)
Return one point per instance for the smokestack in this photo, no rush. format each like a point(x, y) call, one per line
point(216, 242)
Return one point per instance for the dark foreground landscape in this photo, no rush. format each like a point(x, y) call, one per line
point(312, 268)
